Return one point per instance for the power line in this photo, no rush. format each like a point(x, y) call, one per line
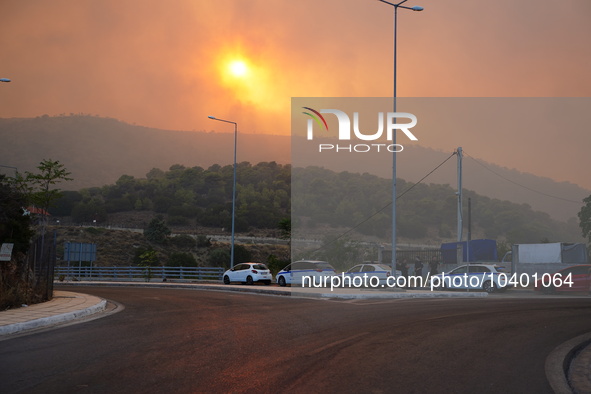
point(520, 185)
point(384, 207)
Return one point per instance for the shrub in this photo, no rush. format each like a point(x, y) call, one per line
point(275, 264)
point(94, 230)
point(183, 241)
point(220, 257)
point(182, 260)
point(203, 241)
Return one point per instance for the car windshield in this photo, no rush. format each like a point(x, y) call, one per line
point(259, 267)
point(459, 270)
point(311, 265)
point(384, 267)
point(323, 266)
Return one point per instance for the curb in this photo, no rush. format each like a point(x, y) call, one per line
point(579, 371)
point(52, 320)
point(168, 285)
point(289, 293)
point(391, 295)
point(559, 360)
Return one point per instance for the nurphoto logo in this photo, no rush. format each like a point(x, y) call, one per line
point(388, 122)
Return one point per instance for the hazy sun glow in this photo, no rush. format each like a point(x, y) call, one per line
point(250, 81)
point(238, 68)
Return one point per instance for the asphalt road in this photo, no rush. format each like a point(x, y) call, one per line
point(176, 340)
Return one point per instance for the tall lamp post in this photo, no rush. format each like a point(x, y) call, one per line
point(415, 8)
point(233, 187)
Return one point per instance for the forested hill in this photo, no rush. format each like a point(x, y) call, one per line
point(320, 199)
point(97, 151)
point(426, 212)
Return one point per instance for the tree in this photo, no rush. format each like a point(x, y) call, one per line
point(241, 254)
point(50, 173)
point(221, 256)
point(14, 226)
point(149, 258)
point(157, 230)
point(67, 202)
point(585, 218)
point(285, 227)
point(87, 212)
point(340, 252)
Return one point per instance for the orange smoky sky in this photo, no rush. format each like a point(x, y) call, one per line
point(168, 64)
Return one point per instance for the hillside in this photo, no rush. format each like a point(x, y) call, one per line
point(321, 203)
point(122, 248)
point(326, 204)
point(99, 150)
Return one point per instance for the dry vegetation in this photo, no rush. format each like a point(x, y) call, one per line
point(118, 247)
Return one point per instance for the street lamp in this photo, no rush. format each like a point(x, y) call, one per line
point(415, 8)
point(233, 187)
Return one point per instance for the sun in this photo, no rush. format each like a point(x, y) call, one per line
point(238, 68)
point(247, 79)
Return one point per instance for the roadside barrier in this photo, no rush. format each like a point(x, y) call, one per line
point(137, 273)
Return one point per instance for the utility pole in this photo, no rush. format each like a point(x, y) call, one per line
point(459, 193)
point(469, 219)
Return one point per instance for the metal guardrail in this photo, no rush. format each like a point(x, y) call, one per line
point(134, 273)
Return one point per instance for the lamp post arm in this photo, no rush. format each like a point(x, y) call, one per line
point(222, 120)
point(399, 5)
point(394, 4)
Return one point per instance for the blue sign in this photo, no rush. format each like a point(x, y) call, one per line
point(76, 251)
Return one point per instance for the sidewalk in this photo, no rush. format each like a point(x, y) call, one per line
point(65, 306)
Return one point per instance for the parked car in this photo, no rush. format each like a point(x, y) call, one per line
point(248, 273)
point(293, 273)
point(487, 277)
point(381, 271)
point(574, 279)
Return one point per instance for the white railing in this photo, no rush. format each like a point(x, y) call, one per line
point(135, 273)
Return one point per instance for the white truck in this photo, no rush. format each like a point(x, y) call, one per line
point(545, 258)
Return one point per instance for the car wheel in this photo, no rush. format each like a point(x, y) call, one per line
point(249, 280)
point(226, 280)
point(488, 286)
point(281, 281)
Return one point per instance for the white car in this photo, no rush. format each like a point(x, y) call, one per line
point(294, 272)
point(381, 271)
point(248, 273)
point(487, 277)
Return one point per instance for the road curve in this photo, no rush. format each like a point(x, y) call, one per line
point(178, 340)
